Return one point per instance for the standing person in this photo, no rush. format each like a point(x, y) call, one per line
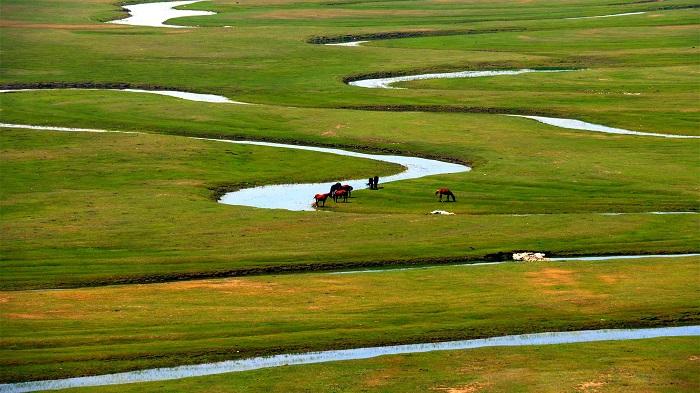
point(376, 182)
point(370, 183)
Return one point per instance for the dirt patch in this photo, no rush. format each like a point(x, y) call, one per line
point(552, 277)
point(385, 375)
point(25, 316)
point(24, 25)
point(611, 278)
point(595, 385)
point(335, 13)
point(225, 285)
point(471, 388)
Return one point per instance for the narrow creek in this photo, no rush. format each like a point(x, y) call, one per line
point(198, 370)
point(156, 14)
point(209, 98)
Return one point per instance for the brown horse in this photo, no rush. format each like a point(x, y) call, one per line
point(446, 192)
point(338, 194)
point(321, 199)
point(348, 188)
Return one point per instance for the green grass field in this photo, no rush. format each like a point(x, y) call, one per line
point(86, 331)
point(660, 365)
point(84, 211)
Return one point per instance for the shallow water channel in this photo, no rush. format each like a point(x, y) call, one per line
point(386, 83)
point(210, 98)
point(171, 373)
point(156, 14)
point(299, 197)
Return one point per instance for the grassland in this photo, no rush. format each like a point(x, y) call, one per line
point(660, 365)
point(86, 210)
point(50, 333)
point(136, 208)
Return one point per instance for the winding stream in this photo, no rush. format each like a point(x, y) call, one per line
point(385, 83)
point(156, 14)
point(351, 43)
point(582, 125)
point(608, 16)
point(210, 98)
point(298, 197)
point(171, 373)
point(561, 259)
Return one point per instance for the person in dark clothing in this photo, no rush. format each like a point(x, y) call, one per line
point(370, 183)
point(376, 182)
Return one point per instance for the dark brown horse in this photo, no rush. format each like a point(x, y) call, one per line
point(446, 192)
point(348, 188)
point(321, 199)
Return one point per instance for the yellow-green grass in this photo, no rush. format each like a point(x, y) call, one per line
point(266, 60)
point(61, 333)
point(89, 209)
point(656, 365)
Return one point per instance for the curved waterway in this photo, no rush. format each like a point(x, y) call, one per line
point(210, 98)
point(608, 16)
point(351, 43)
point(198, 370)
point(574, 124)
point(156, 14)
point(299, 197)
point(385, 83)
point(561, 259)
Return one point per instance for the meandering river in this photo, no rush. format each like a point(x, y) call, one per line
point(198, 370)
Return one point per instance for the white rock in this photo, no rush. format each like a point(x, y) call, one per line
point(529, 256)
point(442, 212)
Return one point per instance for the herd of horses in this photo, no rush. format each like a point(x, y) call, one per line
point(344, 191)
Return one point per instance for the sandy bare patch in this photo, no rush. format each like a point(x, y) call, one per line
point(611, 278)
point(593, 386)
point(224, 285)
point(551, 277)
point(471, 388)
point(25, 316)
point(385, 375)
point(57, 26)
point(335, 13)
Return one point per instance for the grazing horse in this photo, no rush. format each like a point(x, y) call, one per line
point(321, 198)
point(447, 192)
point(348, 188)
point(340, 194)
point(335, 187)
